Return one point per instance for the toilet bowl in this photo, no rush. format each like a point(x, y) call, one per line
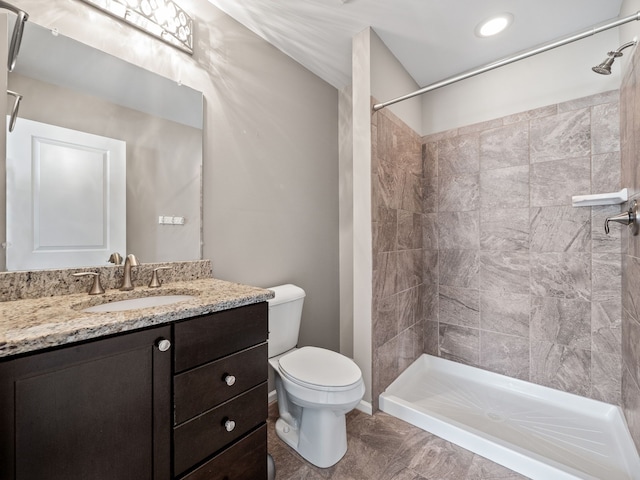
point(315, 387)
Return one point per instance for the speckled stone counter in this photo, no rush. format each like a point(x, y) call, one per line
point(32, 324)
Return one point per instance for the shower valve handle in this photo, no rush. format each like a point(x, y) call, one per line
point(630, 217)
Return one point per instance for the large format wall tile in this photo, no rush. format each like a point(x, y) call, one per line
point(505, 188)
point(504, 272)
point(459, 306)
point(461, 344)
point(589, 101)
point(605, 128)
point(430, 268)
point(565, 135)
point(605, 172)
point(504, 229)
point(506, 146)
point(476, 227)
point(561, 275)
point(385, 238)
point(506, 313)
point(505, 354)
point(600, 241)
point(565, 322)
point(430, 159)
point(430, 194)
point(400, 197)
point(409, 273)
point(631, 345)
point(554, 183)
point(548, 276)
point(629, 106)
point(606, 327)
point(409, 230)
point(430, 231)
point(458, 193)
point(631, 405)
point(606, 277)
point(459, 268)
point(560, 229)
point(459, 155)
point(606, 373)
point(459, 230)
point(561, 367)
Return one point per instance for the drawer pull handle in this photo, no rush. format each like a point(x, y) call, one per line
point(229, 425)
point(163, 344)
point(230, 380)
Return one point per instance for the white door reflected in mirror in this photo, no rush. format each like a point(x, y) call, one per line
point(66, 197)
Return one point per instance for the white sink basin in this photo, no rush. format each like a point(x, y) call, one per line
point(135, 303)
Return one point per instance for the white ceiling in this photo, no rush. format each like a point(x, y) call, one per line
point(433, 39)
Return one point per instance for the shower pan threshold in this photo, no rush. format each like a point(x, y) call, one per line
point(537, 431)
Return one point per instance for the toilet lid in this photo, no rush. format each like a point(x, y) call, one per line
point(320, 367)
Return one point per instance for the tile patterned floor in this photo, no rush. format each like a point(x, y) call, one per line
point(381, 447)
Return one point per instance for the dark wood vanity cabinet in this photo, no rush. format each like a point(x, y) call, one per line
point(97, 410)
point(220, 396)
point(120, 408)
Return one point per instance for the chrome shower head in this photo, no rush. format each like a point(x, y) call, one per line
point(605, 67)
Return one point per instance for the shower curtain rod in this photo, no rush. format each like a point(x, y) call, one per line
point(506, 61)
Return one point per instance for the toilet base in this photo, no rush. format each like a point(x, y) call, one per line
point(321, 438)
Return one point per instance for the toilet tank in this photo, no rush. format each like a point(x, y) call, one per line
point(285, 314)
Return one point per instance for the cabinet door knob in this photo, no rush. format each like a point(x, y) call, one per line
point(230, 380)
point(163, 344)
point(229, 425)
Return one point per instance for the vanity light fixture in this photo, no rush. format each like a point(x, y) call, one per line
point(163, 19)
point(494, 25)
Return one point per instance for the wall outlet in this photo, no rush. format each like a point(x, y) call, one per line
point(170, 220)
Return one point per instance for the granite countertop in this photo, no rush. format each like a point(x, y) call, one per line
point(33, 324)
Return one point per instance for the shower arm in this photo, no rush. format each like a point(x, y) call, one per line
point(16, 36)
point(506, 61)
point(618, 51)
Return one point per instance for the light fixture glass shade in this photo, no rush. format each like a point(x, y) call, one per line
point(161, 18)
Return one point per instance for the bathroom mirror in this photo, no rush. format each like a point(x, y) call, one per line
point(71, 85)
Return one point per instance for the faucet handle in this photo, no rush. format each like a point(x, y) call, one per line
point(96, 286)
point(630, 217)
point(115, 258)
point(155, 281)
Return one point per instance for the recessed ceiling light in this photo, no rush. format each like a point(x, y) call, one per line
point(494, 25)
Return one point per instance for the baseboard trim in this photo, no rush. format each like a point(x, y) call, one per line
point(365, 407)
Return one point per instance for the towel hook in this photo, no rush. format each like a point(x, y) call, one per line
point(14, 109)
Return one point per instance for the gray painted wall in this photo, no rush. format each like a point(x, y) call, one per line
point(270, 181)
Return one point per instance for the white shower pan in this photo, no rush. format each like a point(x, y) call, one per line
point(537, 431)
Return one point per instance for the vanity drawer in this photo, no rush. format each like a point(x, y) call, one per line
point(206, 338)
point(204, 387)
point(204, 435)
point(245, 460)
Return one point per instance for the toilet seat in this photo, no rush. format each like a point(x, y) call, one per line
point(320, 369)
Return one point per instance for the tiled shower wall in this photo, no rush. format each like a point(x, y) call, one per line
point(630, 151)
point(513, 278)
point(398, 203)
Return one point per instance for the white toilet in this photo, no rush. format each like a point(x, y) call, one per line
point(316, 387)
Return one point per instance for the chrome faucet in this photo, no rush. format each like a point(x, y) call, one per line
point(131, 261)
point(115, 258)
